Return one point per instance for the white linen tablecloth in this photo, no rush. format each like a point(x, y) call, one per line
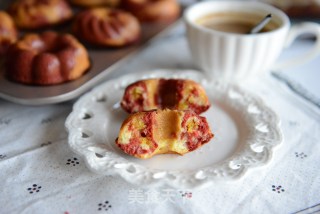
point(40, 174)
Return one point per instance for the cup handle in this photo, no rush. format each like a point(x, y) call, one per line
point(295, 31)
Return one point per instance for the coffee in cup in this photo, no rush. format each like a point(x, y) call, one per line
point(234, 22)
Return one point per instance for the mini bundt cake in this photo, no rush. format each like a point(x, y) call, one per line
point(107, 27)
point(180, 94)
point(46, 58)
point(145, 134)
point(159, 11)
point(95, 3)
point(8, 32)
point(35, 14)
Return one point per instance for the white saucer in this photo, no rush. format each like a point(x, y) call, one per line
point(246, 131)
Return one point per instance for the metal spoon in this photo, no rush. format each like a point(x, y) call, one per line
point(261, 24)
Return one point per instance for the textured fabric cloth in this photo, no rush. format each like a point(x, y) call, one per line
point(40, 174)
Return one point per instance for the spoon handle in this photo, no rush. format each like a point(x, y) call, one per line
point(261, 24)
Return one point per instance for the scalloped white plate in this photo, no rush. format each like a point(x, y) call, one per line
point(246, 131)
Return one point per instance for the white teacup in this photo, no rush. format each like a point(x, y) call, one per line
point(236, 56)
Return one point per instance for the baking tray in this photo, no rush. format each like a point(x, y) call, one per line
point(103, 62)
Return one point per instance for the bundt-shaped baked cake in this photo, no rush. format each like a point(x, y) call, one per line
point(34, 14)
point(8, 32)
point(46, 58)
point(180, 94)
point(160, 11)
point(95, 3)
point(107, 27)
point(145, 134)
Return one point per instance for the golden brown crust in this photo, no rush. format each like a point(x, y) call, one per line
point(8, 32)
point(35, 14)
point(160, 11)
point(145, 134)
point(95, 3)
point(45, 59)
point(107, 27)
point(180, 94)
